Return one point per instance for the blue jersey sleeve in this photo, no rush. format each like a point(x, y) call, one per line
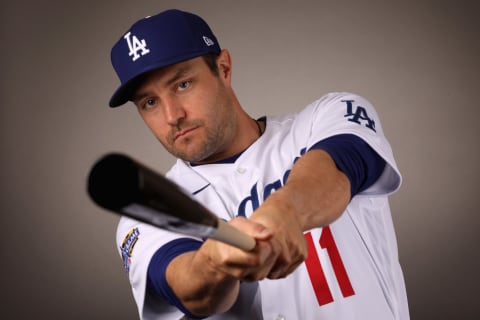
point(156, 275)
point(355, 158)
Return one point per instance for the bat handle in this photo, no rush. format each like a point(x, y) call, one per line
point(232, 236)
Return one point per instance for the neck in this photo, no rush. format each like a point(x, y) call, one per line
point(260, 126)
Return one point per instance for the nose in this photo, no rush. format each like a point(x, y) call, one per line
point(173, 111)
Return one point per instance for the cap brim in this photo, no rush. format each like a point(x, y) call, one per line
point(125, 92)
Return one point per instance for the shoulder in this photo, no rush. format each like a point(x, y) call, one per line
point(338, 100)
point(337, 104)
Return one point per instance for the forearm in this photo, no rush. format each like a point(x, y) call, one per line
point(201, 289)
point(315, 194)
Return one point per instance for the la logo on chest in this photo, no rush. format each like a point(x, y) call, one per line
point(137, 48)
point(359, 115)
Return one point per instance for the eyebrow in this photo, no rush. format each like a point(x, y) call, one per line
point(177, 75)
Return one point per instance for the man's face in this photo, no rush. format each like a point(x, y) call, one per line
point(190, 110)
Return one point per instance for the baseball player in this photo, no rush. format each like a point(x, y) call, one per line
point(310, 187)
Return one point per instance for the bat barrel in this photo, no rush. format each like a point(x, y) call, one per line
point(117, 182)
point(113, 182)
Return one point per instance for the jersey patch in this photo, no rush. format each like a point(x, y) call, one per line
point(358, 115)
point(127, 247)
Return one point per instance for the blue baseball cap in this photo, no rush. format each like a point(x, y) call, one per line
point(158, 41)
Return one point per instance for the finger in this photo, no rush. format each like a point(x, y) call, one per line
point(253, 229)
point(240, 264)
point(282, 272)
point(289, 259)
point(263, 268)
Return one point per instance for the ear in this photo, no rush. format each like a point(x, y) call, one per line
point(225, 65)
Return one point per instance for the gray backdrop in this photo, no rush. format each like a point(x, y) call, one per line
point(417, 61)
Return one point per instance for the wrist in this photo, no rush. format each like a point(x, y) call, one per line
point(279, 210)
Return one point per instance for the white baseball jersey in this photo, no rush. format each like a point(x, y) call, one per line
point(352, 270)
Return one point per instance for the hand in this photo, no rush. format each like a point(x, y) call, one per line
point(243, 265)
point(288, 240)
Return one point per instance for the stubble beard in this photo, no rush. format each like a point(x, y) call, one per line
point(216, 135)
point(196, 148)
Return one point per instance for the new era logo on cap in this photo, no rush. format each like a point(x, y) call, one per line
point(208, 41)
point(155, 42)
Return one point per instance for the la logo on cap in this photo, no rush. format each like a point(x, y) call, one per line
point(135, 46)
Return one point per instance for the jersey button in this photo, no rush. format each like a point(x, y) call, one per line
point(241, 170)
point(280, 317)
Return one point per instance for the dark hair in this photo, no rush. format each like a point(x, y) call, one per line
point(211, 61)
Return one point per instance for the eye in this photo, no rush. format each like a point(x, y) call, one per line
point(148, 104)
point(184, 85)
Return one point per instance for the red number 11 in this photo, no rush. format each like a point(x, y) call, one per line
point(315, 270)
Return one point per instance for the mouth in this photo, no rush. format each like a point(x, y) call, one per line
point(183, 133)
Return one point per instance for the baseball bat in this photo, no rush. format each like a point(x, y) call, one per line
point(126, 187)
